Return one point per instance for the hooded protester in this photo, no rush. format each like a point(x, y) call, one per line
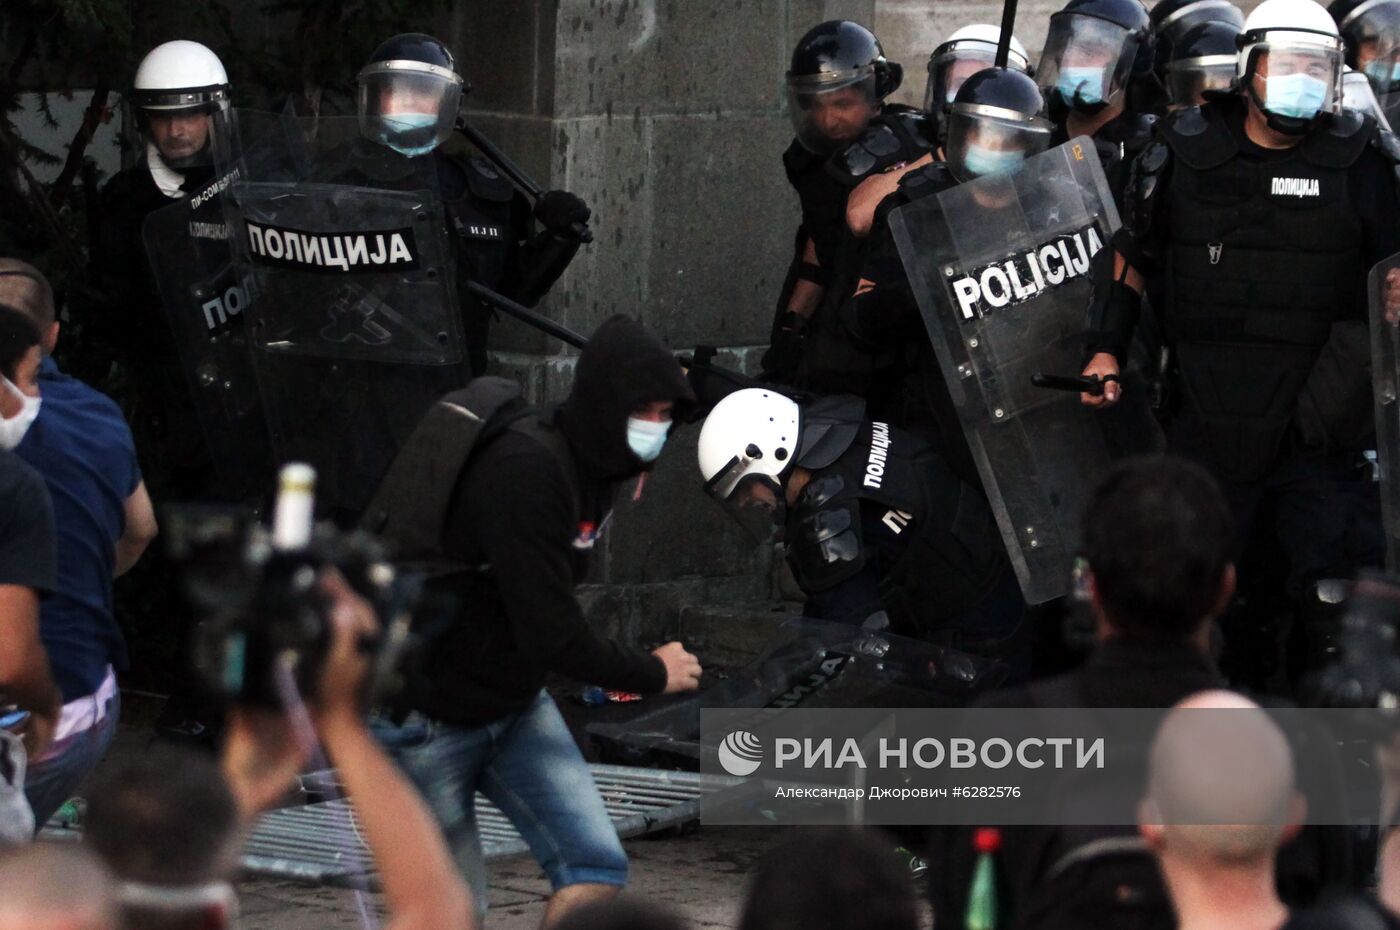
point(522, 517)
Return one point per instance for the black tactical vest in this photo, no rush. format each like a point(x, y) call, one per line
point(830, 363)
point(953, 552)
point(1263, 257)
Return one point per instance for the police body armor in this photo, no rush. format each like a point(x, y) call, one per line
point(952, 554)
point(1119, 143)
point(1264, 257)
point(830, 363)
point(480, 207)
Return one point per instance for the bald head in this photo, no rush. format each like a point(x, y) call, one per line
point(55, 887)
point(1221, 785)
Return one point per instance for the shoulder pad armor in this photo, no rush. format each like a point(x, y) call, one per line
point(1338, 142)
point(927, 181)
point(1200, 137)
point(824, 535)
point(486, 182)
point(1144, 182)
point(891, 139)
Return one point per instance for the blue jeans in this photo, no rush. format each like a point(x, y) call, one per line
point(56, 777)
point(528, 765)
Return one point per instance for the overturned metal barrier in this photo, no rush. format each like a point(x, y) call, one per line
point(321, 842)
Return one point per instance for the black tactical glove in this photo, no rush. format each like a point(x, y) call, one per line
point(562, 213)
point(785, 348)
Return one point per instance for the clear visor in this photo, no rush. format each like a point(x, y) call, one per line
point(829, 115)
point(411, 111)
point(755, 502)
point(1086, 61)
point(981, 143)
point(1374, 39)
point(1296, 74)
point(187, 136)
point(948, 70)
point(1189, 80)
point(1357, 94)
point(1207, 11)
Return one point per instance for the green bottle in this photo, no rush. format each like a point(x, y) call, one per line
point(982, 910)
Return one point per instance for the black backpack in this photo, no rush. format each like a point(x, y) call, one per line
point(410, 508)
point(1099, 876)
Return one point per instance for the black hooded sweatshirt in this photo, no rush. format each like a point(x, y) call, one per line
point(514, 510)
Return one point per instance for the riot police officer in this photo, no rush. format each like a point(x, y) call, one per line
point(1085, 72)
point(1260, 213)
point(409, 95)
point(877, 529)
point(844, 133)
point(1371, 30)
point(968, 50)
point(178, 96)
point(1171, 20)
point(993, 125)
point(1202, 61)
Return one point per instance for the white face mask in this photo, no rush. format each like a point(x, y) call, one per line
point(12, 430)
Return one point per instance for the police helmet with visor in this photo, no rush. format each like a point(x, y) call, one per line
point(410, 94)
point(838, 78)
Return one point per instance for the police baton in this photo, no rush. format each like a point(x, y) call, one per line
point(1079, 384)
point(525, 314)
point(513, 172)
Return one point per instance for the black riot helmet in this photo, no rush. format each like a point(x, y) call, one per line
point(1172, 19)
point(1202, 62)
point(1371, 31)
point(1090, 53)
point(838, 77)
point(994, 124)
point(410, 93)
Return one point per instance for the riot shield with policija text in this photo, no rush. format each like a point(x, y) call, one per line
point(1000, 267)
point(1385, 368)
point(356, 329)
point(188, 248)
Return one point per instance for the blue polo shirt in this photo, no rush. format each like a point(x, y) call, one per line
point(83, 448)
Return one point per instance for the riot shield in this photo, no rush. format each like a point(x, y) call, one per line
point(808, 663)
point(1000, 268)
point(188, 248)
point(1385, 362)
point(356, 329)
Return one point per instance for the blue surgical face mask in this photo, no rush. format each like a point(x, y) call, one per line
point(646, 437)
point(409, 124)
point(1086, 84)
point(1383, 73)
point(1298, 96)
point(982, 161)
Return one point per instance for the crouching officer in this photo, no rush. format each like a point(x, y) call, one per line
point(872, 519)
point(1261, 212)
point(510, 498)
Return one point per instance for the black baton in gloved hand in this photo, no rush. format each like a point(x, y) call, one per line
point(513, 172)
point(1079, 384)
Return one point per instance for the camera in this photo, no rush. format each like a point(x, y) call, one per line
point(263, 627)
